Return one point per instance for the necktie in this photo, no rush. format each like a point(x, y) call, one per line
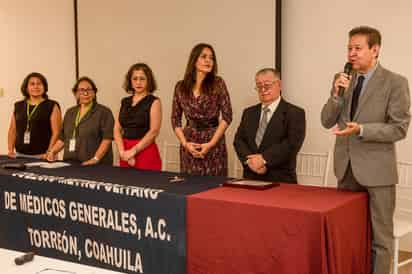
point(262, 126)
point(355, 96)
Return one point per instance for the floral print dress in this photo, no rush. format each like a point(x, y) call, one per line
point(203, 107)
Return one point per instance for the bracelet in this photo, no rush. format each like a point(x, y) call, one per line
point(95, 158)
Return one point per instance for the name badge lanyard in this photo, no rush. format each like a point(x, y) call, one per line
point(72, 144)
point(29, 116)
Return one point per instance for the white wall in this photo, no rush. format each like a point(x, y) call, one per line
point(314, 48)
point(35, 36)
point(39, 36)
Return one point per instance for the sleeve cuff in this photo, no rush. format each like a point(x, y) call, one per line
point(360, 131)
point(338, 100)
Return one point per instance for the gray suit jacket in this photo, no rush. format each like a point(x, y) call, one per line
point(383, 112)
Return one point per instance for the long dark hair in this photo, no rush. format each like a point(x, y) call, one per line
point(189, 79)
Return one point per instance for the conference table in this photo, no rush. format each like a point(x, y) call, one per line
point(285, 229)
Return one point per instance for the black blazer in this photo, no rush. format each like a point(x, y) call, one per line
point(281, 142)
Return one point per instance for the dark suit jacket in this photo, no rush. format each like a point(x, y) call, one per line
point(281, 142)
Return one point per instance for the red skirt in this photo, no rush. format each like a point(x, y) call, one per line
point(148, 158)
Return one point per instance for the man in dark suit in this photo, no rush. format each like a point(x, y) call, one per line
point(270, 133)
point(372, 114)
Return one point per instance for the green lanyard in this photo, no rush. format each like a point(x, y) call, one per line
point(78, 118)
point(30, 114)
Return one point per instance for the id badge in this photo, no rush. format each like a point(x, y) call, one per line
point(26, 139)
point(72, 145)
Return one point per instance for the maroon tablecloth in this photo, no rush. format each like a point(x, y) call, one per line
point(290, 229)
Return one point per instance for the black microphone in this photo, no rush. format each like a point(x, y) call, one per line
point(24, 258)
point(347, 69)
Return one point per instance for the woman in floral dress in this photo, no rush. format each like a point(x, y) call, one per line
point(203, 98)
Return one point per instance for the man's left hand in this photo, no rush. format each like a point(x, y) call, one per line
point(261, 170)
point(256, 163)
point(352, 128)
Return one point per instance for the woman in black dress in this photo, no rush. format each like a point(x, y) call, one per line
point(139, 121)
point(36, 120)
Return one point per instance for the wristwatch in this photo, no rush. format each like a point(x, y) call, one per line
point(95, 158)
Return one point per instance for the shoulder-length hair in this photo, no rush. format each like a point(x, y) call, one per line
point(151, 81)
point(86, 79)
point(26, 80)
point(189, 80)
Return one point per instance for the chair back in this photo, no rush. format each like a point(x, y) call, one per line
point(313, 168)
point(170, 157)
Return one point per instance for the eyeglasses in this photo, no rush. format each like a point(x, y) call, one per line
point(141, 78)
point(85, 91)
point(265, 86)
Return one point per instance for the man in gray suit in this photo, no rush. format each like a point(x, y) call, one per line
point(371, 115)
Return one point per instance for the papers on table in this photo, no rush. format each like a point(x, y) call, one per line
point(21, 155)
point(47, 164)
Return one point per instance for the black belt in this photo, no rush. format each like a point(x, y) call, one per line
point(202, 124)
point(134, 133)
